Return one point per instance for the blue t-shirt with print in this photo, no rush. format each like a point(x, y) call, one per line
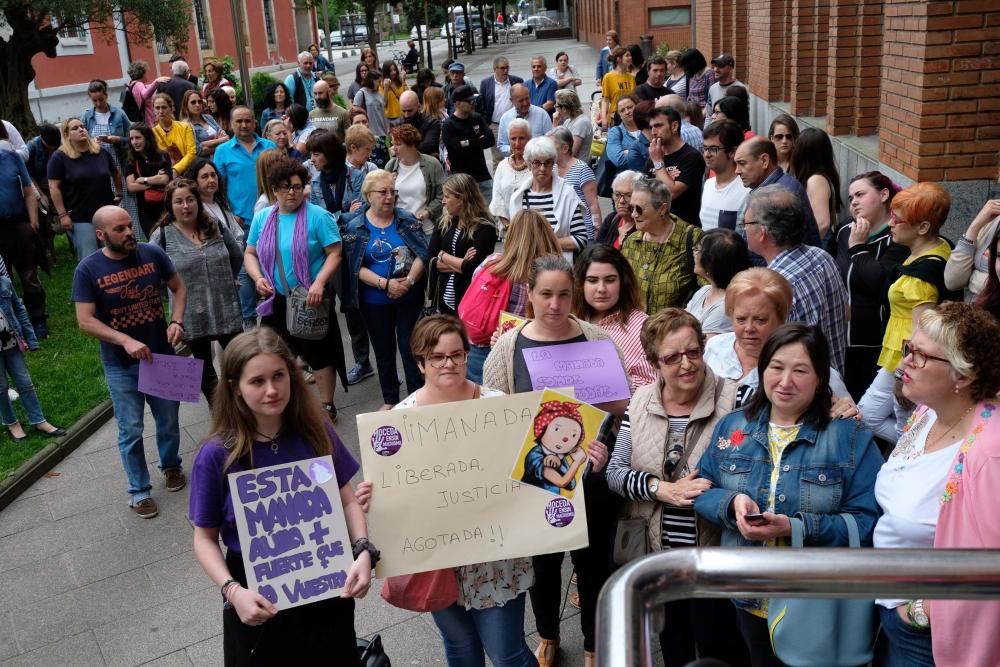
point(321, 231)
point(387, 255)
point(127, 295)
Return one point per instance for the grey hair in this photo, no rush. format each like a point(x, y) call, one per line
point(562, 135)
point(781, 213)
point(549, 263)
point(659, 194)
point(540, 148)
point(518, 122)
point(628, 176)
point(137, 69)
point(180, 68)
point(304, 54)
point(500, 60)
point(545, 63)
point(570, 100)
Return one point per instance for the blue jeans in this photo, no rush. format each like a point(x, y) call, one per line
point(900, 644)
point(84, 239)
point(477, 358)
point(248, 295)
point(129, 404)
point(499, 631)
point(12, 363)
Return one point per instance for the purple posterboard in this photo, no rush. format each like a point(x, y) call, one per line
point(593, 368)
point(172, 377)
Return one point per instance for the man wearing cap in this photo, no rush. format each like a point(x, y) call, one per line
point(725, 76)
point(456, 79)
point(523, 108)
point(466, 135)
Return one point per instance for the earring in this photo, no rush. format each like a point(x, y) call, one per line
point(956, 388)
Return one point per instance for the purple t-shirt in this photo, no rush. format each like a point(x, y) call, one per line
point(211, 505)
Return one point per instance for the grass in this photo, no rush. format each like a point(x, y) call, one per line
point(66, 372)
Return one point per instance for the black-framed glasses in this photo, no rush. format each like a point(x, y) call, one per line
point(712, 150)
point(693, 354)
point(285, 189)
point(919, 359)
point(781, 137)
point(441, 360)
point(621, 196)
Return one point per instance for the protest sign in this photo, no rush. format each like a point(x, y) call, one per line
point(443, 496)
point(172, 377)
point(508, 321)
point(296, 548)
point(593, 368)
point(553, 455)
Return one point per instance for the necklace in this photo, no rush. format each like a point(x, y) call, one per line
point(955, 476)
point(940, 436)
point(273, 439)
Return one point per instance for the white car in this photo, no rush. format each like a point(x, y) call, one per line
point(443, 34)
point(423, 30)
point(533, 23)
point(335, 38)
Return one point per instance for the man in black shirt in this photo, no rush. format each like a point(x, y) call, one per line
point(654, 89)
point(675, 163)
point(466, 135)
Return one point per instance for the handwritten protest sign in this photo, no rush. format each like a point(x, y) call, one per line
point(553, 455)
point(443, 496)
point(296, 548)
point(592, 368)
point(508, 321)
point(171, 377)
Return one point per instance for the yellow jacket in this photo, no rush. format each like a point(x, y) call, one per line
point(178, 143)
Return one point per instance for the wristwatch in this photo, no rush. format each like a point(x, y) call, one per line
point(657, 166)
point(362, 544)
point(918, 617)
point(653, 485)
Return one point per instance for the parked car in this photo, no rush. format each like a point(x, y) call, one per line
point(423, 30)
point(444, 27)
point(533, 23)
point(336, 39)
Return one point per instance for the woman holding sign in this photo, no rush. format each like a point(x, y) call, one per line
point(550, 299)
point(265, 415)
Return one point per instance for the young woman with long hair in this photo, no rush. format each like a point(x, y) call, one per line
point(148, 171)
point(814, 166)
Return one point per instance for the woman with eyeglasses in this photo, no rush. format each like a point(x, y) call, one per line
point(386, 256)
point(918, 212)
point(207, 133)
point(552, 322)
point(783, 133)
point(553, 197)
point(661, 251)
point(292, 244)
point(654, 466)
point(619, 225)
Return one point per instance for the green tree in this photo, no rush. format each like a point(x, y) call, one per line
point(31, 28)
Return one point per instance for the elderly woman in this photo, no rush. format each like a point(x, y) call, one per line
point(663, 435)
point(552, 196)
point(174, 137)
point(718, 257)
point(82, 179)
point(280, 133)
point(295, 244)
point(607, 294)
point(386, 253)
point(951, 371)
point(512, 172)
point(571, 115)
point(214, 78)
point(577, 173)
point(488, 616)
point(918, 212)
point(783, 456)
point(418, 176)
point(867, 257)
point(550, 296)
point(619, 225)
point(661, 251)
point(463, 238)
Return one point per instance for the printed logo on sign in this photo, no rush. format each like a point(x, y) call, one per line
point(320, 472)
point(387, 440)
point(559, 512)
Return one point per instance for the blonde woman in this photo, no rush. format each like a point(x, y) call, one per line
point(265, 162)
point(464, 237)
point(82, 179)
point(174, 137)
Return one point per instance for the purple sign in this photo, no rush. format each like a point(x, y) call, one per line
point(592, 368)
point(559, 512)
point(386, 440)
point(171, 377)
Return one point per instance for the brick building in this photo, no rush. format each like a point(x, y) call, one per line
point(274, 33)
point(668, 21)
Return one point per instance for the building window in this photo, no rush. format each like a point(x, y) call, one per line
point(669, 16)
point(74, 41)
point(162, 47)
point(269, 22)
point(201, 23)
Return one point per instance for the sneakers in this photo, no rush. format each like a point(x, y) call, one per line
point(146, 508)
point(359, 373)
point(175, 479)
point(331, 411)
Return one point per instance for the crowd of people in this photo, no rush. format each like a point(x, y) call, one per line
point(794, 353)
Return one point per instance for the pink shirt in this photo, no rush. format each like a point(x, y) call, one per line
point(143, 93)
point(640, 372)
point(967, 632)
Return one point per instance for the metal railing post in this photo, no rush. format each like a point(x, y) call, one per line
point(628, 599)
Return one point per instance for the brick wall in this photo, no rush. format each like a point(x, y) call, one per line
point(631, 19)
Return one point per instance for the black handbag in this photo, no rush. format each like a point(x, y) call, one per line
point(372, 653)
point(605, 172)
point(433, 290)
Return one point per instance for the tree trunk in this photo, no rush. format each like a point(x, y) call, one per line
point(370, 22)
point(16, 72)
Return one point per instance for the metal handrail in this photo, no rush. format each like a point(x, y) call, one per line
point(625, 607)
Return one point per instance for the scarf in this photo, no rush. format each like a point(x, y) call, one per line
point(333, 192)
point(267, 252)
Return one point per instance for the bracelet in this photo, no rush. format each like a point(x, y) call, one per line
point(65, 214)
point(177, 323)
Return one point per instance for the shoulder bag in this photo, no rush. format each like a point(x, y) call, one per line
point(423, 591)
point(301, 319)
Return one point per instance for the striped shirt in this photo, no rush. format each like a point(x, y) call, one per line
point(578, 175)
point(449, 287)
point(626, 336)
point(545, 204)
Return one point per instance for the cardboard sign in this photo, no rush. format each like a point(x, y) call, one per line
point(592, 368)
point(553, 454)
point(172, 377)
point(508, 321)
point(296, 548)
point(443, 495)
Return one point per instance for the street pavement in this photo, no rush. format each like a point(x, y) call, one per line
point(86, 582)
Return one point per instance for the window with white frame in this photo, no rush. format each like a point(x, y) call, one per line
point(201, 23)
point(74, 40)
point(269, 22)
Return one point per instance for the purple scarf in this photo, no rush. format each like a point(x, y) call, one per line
point(267, 252)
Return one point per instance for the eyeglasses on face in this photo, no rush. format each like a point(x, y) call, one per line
point(782, 137)
point(621, 196)
point(385, 193)
point(711, 150)
point(441, 360)
point(636, 210)
point(285, 189)
point(542, 164)
point(673, 359)
point(919, 359)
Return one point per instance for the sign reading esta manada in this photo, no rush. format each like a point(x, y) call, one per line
point(295, 544)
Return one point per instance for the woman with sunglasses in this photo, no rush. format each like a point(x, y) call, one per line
point(207, 133)
point(783, 133)
point(654, 466)
point(619, 225)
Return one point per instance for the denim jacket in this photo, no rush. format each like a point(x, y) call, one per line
point(356, 238)
point(16, 314)
point(823, 473)
point(119, 123)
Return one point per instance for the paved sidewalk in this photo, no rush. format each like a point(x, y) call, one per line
point(86, 582)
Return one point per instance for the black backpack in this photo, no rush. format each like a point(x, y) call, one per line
point(129, 104)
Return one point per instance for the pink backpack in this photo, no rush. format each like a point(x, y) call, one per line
point(480, 308)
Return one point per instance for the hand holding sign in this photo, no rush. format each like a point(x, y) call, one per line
point(172, 377)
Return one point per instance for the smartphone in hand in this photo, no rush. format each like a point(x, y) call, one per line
point(756, 519)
